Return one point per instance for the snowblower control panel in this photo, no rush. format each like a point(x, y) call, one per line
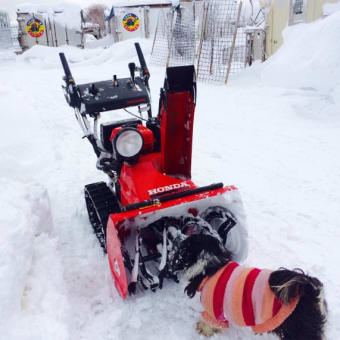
point(109, 95)
point(113, 94)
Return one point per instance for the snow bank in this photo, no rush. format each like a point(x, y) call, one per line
point(16, 249)
point(119, 3)
point(6, 56)
point(47, 57)
point(92, 42)
point(309, 57)
point(31, 283)
point(331, 8)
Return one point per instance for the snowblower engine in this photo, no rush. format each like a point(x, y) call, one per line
point(149, 204)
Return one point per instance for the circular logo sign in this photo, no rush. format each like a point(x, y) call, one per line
point(131, 22)
point(35, 28)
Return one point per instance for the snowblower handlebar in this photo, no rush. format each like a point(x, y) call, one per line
point(70, 90)
point(66, 68)
point(145, 71)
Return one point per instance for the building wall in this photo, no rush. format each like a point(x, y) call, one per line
point(277, 20)
point(148, 16)
point(54, 34)
point(281, 15)
point(314, 9)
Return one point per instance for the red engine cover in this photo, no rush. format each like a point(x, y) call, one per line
point(149, 139)
point(144, 180)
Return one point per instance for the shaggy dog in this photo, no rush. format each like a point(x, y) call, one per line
point(287, 303)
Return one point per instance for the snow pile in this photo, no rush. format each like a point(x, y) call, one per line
point(31, 287)
point(309, 57)
point(16, 251)
point(41, 55)
point(64, 13)
point(120, 3)
point(331, 8)
point(6, 56)
point(110, 53)
point(92, 42)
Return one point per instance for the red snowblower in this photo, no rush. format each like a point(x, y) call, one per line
point(149, 204)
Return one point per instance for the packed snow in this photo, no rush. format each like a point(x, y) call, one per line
point(273, 132)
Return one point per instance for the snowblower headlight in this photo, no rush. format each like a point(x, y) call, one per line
point(128, 142)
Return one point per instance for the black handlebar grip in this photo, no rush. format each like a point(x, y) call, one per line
point(132, 68)
point(65, 65)
point(142, 60)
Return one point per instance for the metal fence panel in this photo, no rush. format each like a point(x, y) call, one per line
point(5, 38)
point(174, 41)
point(9, 38)
point(208, 34)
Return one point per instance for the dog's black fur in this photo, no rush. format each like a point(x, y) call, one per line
point(201, 256)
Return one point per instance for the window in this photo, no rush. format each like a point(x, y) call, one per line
point(298, 7)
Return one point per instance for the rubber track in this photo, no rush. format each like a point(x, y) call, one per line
point(100, 203)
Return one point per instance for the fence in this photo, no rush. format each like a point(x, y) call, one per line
point(208, 34)
point(174, 40)
point(9, 38)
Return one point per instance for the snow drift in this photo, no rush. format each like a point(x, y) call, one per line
point(309, 57)
point(31, 287)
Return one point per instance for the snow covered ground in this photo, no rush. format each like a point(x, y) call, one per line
point(273, 132)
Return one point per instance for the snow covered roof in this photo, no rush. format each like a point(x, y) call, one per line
point(66, 14)
point(133, 3)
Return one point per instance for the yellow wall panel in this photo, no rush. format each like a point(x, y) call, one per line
point(279, 17)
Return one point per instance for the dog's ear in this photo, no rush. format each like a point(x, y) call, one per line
point(287, 284)
point(213, 246)
point(196, 247)
point(310, 315)
point(193, 285)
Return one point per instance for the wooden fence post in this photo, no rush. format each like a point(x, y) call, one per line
point(233, 43)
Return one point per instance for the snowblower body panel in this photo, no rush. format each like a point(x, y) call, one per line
point(176, 134)
point(144, 181)
point(176, 114)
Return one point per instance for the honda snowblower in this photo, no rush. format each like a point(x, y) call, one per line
point(149, 203)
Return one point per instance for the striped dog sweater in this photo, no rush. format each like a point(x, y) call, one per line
point(242, 296)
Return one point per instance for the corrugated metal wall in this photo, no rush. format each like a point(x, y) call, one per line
point(52, 33)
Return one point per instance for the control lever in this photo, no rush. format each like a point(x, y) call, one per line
point(115, 80)
point(93, 90)
point(132, 68)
